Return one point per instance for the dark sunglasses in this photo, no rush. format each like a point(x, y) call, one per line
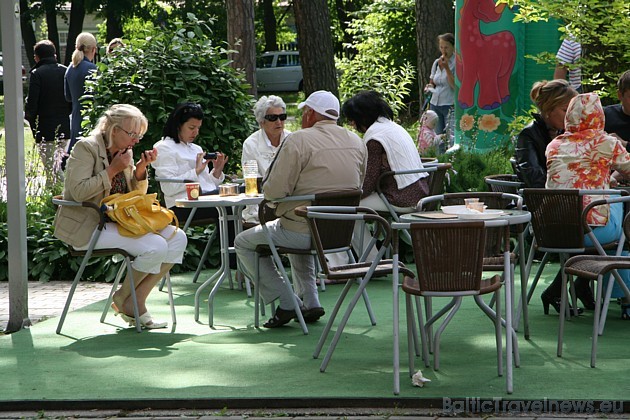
point(274, 117)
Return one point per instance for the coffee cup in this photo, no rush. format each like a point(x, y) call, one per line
point(193, 190)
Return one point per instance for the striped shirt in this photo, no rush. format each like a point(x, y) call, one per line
point(569, 53)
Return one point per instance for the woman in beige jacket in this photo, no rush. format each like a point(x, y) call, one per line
point(101, 165)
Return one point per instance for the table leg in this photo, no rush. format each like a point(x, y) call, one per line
point(508, 322)
point(396, 325)
point(524, 281)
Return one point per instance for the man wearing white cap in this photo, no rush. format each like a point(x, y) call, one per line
point(321, 157)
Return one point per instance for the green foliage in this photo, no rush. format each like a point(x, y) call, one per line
point(385, 45)
point(470, 168)
point(164, 66)
point(601, 26)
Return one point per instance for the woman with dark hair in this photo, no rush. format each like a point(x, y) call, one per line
point(180, 158)
point(390, 148)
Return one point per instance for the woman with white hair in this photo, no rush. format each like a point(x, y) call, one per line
point(74, 81)
point(262, 145)
point(101, 165)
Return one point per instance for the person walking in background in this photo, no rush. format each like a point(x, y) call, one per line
point(319, 158)
point(442, 82)
point(263, 144)
point(568, 55)
point(618, 115)
point(46, 108)
point(74, 86)
point(552, 99)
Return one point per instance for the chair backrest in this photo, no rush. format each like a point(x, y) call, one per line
point(336, 233)
point(332, 227)
point(449, 255)
point(556, 217)
point(494, 200)
point(508, 183)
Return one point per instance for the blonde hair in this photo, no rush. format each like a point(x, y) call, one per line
point(115, 116)
point(547, 95)
point(84, 41)
point(429, 119)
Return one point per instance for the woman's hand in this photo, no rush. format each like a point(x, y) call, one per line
point(119, 163)
point(218, 164)
point(146, 158)
point(442, 62)
point(201, 164)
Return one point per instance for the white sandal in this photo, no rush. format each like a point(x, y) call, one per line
point(147, 322)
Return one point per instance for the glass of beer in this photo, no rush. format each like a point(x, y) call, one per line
point(250, 173)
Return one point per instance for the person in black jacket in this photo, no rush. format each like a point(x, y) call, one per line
point(552, 99)
point(46, 108)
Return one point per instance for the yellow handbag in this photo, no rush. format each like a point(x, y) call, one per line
point(137, 213)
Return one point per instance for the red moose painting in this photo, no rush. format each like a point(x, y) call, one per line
point(486, 60)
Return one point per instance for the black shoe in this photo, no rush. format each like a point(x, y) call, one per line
point(584, 293)
point(281, 317)
point(313, 314)
point(555, 302)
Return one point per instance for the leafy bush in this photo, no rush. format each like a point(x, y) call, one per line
point(163, 66)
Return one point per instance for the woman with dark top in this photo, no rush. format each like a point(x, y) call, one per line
point(390, 148)
point(552, 99)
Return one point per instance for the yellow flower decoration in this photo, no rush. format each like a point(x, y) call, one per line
point(489, 123)
point(466, 122)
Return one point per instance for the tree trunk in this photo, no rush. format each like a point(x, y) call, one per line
point(316, 47)
point(77, 14)
point(269, 24)
point(432, 19)
point(26, 27)
point(242, 39)
point(114, 23)
point(50, 7)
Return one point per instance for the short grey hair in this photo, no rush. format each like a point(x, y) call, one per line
point(115, 116)
point(266, 102)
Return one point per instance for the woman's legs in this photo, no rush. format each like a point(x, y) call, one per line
point(154, 255)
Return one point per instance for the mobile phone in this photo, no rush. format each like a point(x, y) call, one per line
point(210, 156)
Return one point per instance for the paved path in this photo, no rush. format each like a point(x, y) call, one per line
point(46, 300)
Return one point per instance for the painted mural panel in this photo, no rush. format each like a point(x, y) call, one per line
point(489, 81)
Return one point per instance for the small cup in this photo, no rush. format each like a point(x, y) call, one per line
point(193, 190)
point(477, 207)
point(469, 201)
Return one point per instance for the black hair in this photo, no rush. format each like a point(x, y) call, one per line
point(182, 113)
point(44, 49)
point(365, 108)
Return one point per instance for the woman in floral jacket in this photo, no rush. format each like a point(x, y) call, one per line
point(584, 157)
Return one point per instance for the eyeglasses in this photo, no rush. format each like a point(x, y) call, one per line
point(132, 134)
point(274, 117)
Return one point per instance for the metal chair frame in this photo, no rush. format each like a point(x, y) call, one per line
point(361, 271)
point(107, 252)
point(266, 214)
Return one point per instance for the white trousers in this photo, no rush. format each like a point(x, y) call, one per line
point(150, 251)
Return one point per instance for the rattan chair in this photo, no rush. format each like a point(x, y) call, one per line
point(437, 174)
point(267, 214)
point(496, 242)
point(508, 183)
point(449, 259)
point(331, 228)
point(559, 224)
point(107, 252)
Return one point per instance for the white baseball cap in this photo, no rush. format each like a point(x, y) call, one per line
point(323, 102)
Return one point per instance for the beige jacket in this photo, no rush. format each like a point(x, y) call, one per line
point(86, 180)
point(325, 157)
